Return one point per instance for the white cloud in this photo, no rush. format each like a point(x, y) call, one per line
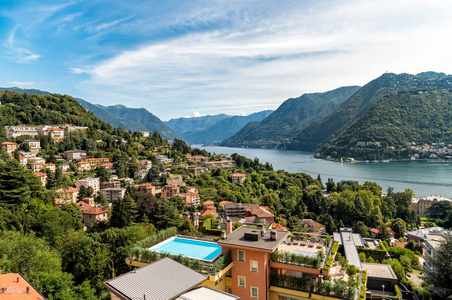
point(25, 83)
point(258, 59)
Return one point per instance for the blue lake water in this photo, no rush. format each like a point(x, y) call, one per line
point(423, 177)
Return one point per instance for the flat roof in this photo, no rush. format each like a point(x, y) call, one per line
point(350, 241)
point(237, 238)
point(207, 293)
point(163, 279)
point(380, 271)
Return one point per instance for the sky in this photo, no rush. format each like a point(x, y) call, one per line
point(192, 58)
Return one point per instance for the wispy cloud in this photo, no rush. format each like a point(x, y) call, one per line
point(20, 54)
point(112, 23)
point(26, 83)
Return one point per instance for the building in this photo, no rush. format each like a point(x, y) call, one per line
point(70, 193)
point(15, 287)
point(42, 177)
point(259, 212)
point(34, 145)
point(113, 194)
point(74, 154)
point(64, 167)
point(236, 210)
point(223, 164)
point(83, 166)
point(163, 279)
point(169, 191)
point(110, 184)
point(50, 167)
point(92, 214)
point(238, 178)
point(175, 180)
point(379, 275)
point(311, 225)
point(163, 159)
point(432, 238)
point(140, 174)
point(350, 241)
point(191, 199)
point(148, 188)
point(145, 133)
point(92, 182)
point(422, 204)
point(146, 164)
point(9, 147)
point(197, 170)
point(56, 133)
point(36, 166)
point(97, 162)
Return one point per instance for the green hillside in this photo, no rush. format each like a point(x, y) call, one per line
point(289, 119)
point(319, 133)
point(181, 125)
point(422, 116)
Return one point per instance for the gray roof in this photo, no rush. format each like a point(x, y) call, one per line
point(350, 241)
point(237, 238)
point(207, 293)
point(163, 279)
point(380, 271)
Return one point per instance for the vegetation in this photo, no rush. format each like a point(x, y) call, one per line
point(439, 276)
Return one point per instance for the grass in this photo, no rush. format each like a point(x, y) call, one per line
point(416, 272)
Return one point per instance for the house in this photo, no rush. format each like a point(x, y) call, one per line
point(64, 167)
point(175, 180)
point(191, 199)
point(311, 225)
point(92, 182)
point(197, 170)
point(236, 210)
point(146, 164)
point(83, 166)
point(422, 204)
point(140, 174)
point(432, 238)
point(36, 166)
point(209, 205)
point(374, 232)
point(92, 214)
point(97, 162)
point(148, 188)
point(113, 194)
point(169, 191)
point(144, 133)
point(259, 212)
point(42, 177)
point(56, 133)
point(379, 277)
point(110, 184)
point(34, 145)
point(163, 159)
point(74, 154)
point(9, 147)
point(49, 166)
point(238, 178)
point(70, 193)
point(15, 287)
point(163, 279)
point(60, 202)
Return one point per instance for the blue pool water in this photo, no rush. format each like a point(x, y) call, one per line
point(191, 248)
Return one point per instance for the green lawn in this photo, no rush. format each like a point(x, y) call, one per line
point(416, 272)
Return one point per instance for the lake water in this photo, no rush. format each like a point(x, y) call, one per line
point(423, 177)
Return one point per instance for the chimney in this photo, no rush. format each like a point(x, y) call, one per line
point(260, 226)
point(228, 226)
point(223, 234)
point(273, 235)
point(18, 279)
point(0, 272)
point(28, 290)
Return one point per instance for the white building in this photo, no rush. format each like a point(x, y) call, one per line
point(93, 182)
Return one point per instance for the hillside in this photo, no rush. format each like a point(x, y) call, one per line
point(289, 119)
point(223, 129)
point(319, 133)
point(113, 119)
point(144, 118)
point(181, 125)
point(413, 118)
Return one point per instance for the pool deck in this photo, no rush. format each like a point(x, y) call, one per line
point(309, 248)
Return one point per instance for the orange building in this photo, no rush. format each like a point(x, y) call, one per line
point(83, 166)
point(149, 188)
point(97, 162)
point(169, 191)
point(9, 147)
point(16, 287)
point(42, 176)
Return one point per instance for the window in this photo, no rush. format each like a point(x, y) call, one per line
point(253, 266)
point(242, 282)
point(241, 255)
point(254, 292)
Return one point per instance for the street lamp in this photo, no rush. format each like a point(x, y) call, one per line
point(383, 286)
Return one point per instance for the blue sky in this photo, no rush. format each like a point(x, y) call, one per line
point(186, 58)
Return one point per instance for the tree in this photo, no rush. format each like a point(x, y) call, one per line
point(440, 273)
point(330, 226)
point(124, 212)
point(399, 227)
point(103, 174)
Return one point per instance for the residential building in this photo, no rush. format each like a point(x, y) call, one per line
point(140, 174)
point(15, 287)
point(49, 166)
point(259, 212)
point(74, 154)
point(175, 180)
point(83, 166)
point(36, 167)
point(110, 184)
point(92, 214)
point(432, 238)
point(422, 204)
point(43, 177)
point(113, 194)
point(163, 159)
point(191, 199)
point(223, 164)
point(64, 167)
point(311, 225)
point(148, 188)
point(92, 182)
point(197, 170)
point(70, 193)
point(145, 133)
point(9, 147)
point(163, 279)
point(350, 241)
point(97, 162)
point(197, 158)
point(35, 145)
point(146, 164)
point(238, 178)
point(379, 275)
point(236, 210)
point(56, 133)
point(169, 191)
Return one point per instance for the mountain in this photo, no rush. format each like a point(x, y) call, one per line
point(289, 119)
point(322, 131)
point(223, 129)
point(144, 118)
point(113, 119)
point(181, 125)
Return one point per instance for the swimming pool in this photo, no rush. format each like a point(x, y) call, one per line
point(202, 250)
point(304, 253)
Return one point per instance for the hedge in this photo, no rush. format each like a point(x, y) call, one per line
point(372, 251)
point(397, 291)
point(364, 277)
point(328, 264)
point(296, 259)
point(157, 238)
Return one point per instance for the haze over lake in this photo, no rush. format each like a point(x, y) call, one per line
point(424, 178)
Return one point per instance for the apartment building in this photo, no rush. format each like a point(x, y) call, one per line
point(92, 182)
point(113, 194)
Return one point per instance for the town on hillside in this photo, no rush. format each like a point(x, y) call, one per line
point(155, 220)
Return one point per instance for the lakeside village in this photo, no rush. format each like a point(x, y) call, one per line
point(247, 252)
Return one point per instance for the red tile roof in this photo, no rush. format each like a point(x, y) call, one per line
point(259, 212)
point(17, 288)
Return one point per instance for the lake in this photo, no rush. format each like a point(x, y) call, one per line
point(423, 177)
